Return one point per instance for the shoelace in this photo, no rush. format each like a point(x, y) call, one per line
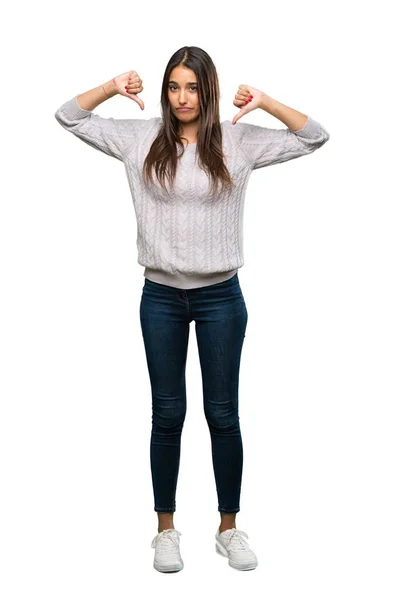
point(164, 540)
point(235, 539)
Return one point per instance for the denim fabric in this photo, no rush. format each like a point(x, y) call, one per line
point(220, 315)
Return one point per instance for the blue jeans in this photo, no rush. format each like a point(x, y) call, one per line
point(220, 314)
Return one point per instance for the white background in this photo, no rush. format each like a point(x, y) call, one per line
point(319, 380)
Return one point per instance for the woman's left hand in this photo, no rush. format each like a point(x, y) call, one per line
point(247, 98)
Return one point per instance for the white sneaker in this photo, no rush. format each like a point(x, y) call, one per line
point(231, 544)
point(167, 557)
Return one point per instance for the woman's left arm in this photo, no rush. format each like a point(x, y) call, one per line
point(263, 146)
point(292, 118)
point(249, 98)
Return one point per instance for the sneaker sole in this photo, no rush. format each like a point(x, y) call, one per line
point(168, 568)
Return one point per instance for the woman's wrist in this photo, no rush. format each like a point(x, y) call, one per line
point(268, 104)
point(110, 89)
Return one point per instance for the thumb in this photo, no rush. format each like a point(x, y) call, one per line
point(137, 100)
point(238, 116)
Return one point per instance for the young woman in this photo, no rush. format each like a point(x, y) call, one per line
point(188, 173)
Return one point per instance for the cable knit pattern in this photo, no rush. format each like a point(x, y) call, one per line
point(189, 238)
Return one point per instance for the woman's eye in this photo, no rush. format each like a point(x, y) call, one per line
point(192, 87)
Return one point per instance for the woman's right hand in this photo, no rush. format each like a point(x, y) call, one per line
point(129, 84)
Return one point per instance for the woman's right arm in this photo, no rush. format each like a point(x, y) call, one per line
point(89, 100)
point(109, 135)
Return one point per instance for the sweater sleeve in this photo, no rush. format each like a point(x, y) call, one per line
point(263, 146)
point(109, 135)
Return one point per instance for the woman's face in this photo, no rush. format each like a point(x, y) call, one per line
point(183, 93)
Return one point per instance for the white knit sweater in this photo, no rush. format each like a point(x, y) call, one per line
point(189, 239)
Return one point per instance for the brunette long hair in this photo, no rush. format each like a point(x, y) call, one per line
point(163, 155)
